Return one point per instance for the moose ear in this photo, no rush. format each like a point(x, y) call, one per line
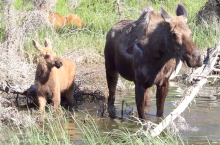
point(181, 10)
point(147, 17)
point(147, 8)
point(146, 12)
point(164, 15)
point(37, 45)
point(47, 43)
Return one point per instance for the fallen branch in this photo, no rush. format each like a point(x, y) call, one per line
point(192, 91)
point(216, 70)
point(184, 104)
point(212, 77)
point(119, 8)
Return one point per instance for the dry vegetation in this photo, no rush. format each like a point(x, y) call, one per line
point(210, 12)
point(17, 68)
point(17, 71)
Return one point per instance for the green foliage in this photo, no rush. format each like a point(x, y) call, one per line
point(1, 34)
point(23, 4)
point(18, 4)
point(66, 130)
point(205, 35)
point(101, 15)
point(62, 7)
point(52, 131)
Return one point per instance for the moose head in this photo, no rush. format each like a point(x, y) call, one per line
point(48, 54)
point(180, 35)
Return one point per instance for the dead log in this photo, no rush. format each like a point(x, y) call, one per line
point(198, 75)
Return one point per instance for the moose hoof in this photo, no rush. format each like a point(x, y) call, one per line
point(160, 115)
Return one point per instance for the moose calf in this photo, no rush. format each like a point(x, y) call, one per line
point(59, 20)
point(53, 76)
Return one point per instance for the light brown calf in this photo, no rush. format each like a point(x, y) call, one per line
point(59, 21)
point(53, 76)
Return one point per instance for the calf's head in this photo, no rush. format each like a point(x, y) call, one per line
point(48, 54)
point(180, 35)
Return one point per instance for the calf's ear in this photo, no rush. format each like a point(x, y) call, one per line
point(47, 43)
point(37, 45)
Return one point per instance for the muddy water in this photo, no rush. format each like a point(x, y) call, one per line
point(202, 118)
point(205, 116)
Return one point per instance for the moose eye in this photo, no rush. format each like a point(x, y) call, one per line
point(47, 56)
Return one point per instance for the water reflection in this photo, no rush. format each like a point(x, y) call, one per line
point(202, 116)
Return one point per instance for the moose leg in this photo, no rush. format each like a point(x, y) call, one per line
point(42, 103)
point(69, 96)
point(162, 91)
point(140, 101)
point(112, 79)
point(56, 99)
point(147, 96)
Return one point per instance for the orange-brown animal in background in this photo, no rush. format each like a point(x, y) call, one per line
point(59, 21)
point(53, 76)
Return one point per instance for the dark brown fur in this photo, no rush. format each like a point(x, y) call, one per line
point(147, 51)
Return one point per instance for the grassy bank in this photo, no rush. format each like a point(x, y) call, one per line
point(101, 15)
point(66, 129)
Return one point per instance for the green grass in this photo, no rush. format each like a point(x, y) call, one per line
point(66, 130)
point(23, 4)
point(52, 131)
point(100, 16)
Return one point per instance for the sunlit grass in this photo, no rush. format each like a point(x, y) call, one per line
point(100, 16)
point(66, 129)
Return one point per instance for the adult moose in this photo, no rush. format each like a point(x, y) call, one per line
point(147, 52)
point(53, 76)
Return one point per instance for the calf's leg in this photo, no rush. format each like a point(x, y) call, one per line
point(69, 96)
point(42, 103)
point(56, 99)
point(162, 91)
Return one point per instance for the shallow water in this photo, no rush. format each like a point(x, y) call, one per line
point(202, 116)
